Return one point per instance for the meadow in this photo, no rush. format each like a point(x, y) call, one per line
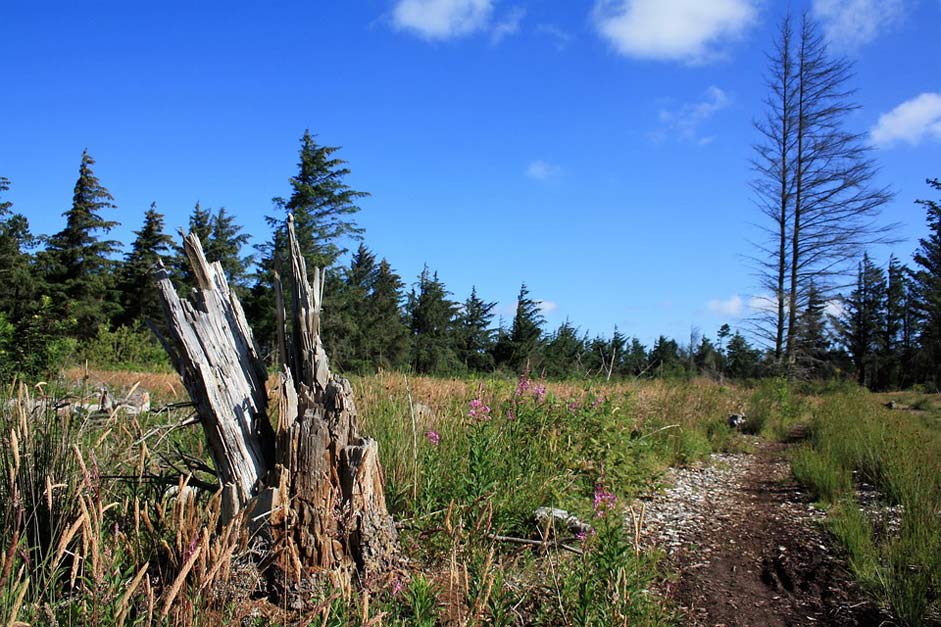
point(104, 526)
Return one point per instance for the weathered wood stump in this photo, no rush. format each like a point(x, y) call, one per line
point(311, 478)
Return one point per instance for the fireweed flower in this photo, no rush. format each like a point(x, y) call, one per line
point(478, 409)
point(523, 385)
point(539, 392)
point(433, 437)
point(604, 501)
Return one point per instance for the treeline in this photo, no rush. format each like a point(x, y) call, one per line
point(71, 295)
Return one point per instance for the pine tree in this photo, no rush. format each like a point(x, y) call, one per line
point(927, 279)
point(17, 287)
point(812, 343)
point(863, 321)
point(223, 241)
point(345, 327)
point(475, 335)
point(388, 334)
point(431, 320)
point(563, 352)
point(137, 288)
point(79, 268)
point(322, 205)
point(896, 359)
point(525, 331)
point(743, 360)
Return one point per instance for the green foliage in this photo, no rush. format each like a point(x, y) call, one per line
point(432, 317)
point(474, 334)
point(898, 454)
point(322, 204)
point(79, 269)
point(131, 348)
point(927, 284)
point(137, 288)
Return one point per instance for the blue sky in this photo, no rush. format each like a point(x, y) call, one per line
point(596, 150)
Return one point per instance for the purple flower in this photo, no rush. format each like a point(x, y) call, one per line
point(598, 401)
point(433, 437)
point(573, 406)
point(523, 385)
point(539, 392)
point(396, 586)
point(478, 409)
point(604, 501)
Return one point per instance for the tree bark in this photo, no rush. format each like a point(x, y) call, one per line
point(312, 479)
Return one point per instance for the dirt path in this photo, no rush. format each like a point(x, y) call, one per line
point(750, 549)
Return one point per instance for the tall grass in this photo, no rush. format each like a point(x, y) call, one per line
point(900, 455)
point(102, 528)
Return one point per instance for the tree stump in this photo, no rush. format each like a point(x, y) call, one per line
point(312, 479)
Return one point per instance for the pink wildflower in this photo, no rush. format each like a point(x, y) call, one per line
point(523, 385)
point(573, 406)
point(478, 409)
point(539, 392)
point(433, 437)
point(604, 501)
point(396, 586)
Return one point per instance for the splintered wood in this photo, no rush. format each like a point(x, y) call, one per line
point(316, 482)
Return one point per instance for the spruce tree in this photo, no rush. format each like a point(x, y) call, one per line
point(432, 320)
point(475, 335)
point(17, 287)
point(563, 352)
point(863, 321)
point(525, 331)
point(927, 279)
point(346, 330)
point(78, 265)
point(322, 204)
point(223, 241)
point(137, 288)
point(812, 341)
point(388, 335)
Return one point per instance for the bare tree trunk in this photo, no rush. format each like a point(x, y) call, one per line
point(316, 482)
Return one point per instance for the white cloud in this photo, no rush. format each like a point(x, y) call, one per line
point(442, 19)
point(560, 38)
point(546, 306)
point(910, 122)
point(685, 121)
point(730, 307)
point(509, 25)
point(834, 308)
point(850, 24)
point(672, 30)
point(763, 302)
point(542, 170)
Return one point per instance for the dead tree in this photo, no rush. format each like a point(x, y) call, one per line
point(311, 477)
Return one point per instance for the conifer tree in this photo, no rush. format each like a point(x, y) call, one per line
point(17, 287)
point(345, 328)
point(78, 265)
point(863, 321)
point(223, 241)
point(525, 331)
point(388, 334)
point(812, 343)
point(927, 279)
point(137, 288)
point(475, 335)
point(322, 204)
point(432, 319)
point(563, 352)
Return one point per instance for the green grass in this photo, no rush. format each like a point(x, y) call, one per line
point(113, 528)
point(900, 454)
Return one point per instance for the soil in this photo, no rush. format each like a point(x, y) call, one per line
point(749, 548)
